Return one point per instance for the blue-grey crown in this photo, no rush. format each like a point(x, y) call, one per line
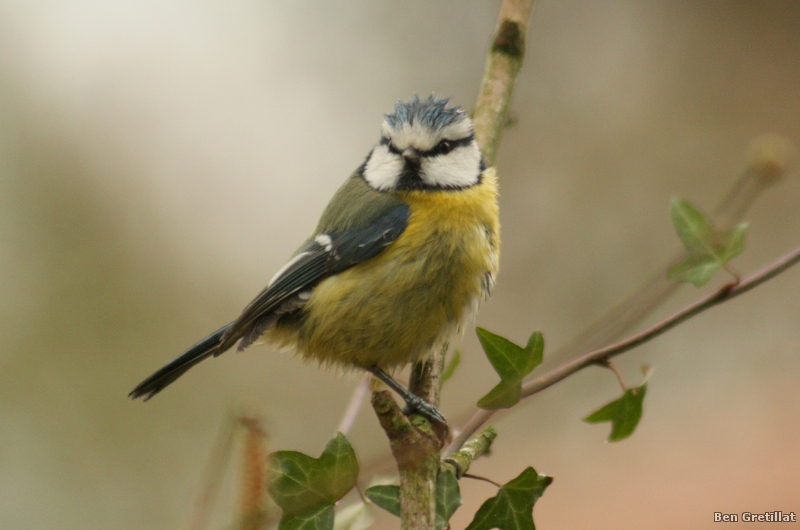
point(430, 112)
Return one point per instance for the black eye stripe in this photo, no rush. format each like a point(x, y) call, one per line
point(445, 146)
point(442, 148)
point(388, 143)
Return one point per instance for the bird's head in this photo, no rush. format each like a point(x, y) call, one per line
point(425, 145)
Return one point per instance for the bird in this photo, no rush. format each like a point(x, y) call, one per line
point(402, 256)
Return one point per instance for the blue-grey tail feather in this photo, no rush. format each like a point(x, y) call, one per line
point(154, 384)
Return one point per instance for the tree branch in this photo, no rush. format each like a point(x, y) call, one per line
point(415, 448)
point(768, 161)
point(769, 158)
point(349, 417)
point(502, 66)
point(460, 461)
point(725, 293)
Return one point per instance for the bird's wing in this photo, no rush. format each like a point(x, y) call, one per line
point(323, 256)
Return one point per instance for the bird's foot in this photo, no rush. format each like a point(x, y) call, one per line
point(414, 403)
point(417, 405)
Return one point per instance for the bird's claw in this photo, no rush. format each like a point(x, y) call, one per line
point(417, 405)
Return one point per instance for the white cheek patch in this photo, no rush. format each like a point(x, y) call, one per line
point(383, 169)
point(459, 168)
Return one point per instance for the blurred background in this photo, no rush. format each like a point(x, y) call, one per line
point(159, 161)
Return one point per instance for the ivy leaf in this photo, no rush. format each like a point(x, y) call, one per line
point(314, 519)
point(508, 359)
point(306, 488)
point(448, 498)
point(734, 244)
point(386, 497)
point(512, 507)
point(623, 413)
point(694, 270)
point(695, 231)
point(708, 249)
point(512, 363)
point(455, 360)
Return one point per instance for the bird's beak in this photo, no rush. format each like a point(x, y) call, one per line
point(411, 156)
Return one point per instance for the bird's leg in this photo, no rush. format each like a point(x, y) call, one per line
point(414, 403)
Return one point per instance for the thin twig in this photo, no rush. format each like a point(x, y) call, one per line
point(730, 270)
point(214, 473)
point(608, 364)
point(484, 479)
point(476, 421)
point(354, 406)
point(460, 461)
point(725, 293)
point(363, 495)
point(769, 160)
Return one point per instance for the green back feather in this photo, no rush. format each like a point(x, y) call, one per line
point(355, 205)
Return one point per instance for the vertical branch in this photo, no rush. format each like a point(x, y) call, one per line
point(419, 463)
point(502, 66)
point(416, 450)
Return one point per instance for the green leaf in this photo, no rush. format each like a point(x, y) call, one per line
point(455, 360)
point(696, 233)
point(315, 519)
point(386, 497)
point(306, 488)
point(708, 249)
point(512, 363)
point(508, 359)
point(734, 242)
point(505, 395)
point(623, 413)
point(694, 270)
point(512, 507)
point(448, 498)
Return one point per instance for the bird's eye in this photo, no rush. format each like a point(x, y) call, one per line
point(442, 148)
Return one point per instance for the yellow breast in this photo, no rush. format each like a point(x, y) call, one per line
point(390, 309)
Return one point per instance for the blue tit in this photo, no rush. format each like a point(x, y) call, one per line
point(402, 256)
